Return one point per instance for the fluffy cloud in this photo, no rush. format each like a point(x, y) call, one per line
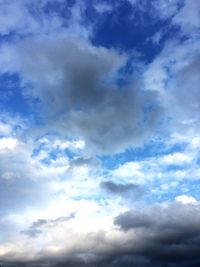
point(25, 18)
point(175, 68)
point(78, 82)
point(168, 233)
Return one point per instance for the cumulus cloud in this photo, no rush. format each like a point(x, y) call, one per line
point(25, 18)
point(168, 233)
point(29, 172)
point(17, 16)
point(78, 82)
point(182, 14)
point(160, 168)
point(7, 143)
point(177, 67)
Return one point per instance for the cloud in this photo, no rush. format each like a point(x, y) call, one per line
point(28, 169)
point(188, 17)
point(187, 99)
point(17, 16)
point(40, 225)
point(102, 8)
point(165, 167)
point(82, 110)
point(176, 67)
point(128, 190)
point(81, 161)
point(7, 143)
point(78, 82)
point(5, 129)
point(18, 176)
point(25, 18)
point(164, 10)
point(165, 234)
point(181, 14)
point(168, 234)
point(184, 199)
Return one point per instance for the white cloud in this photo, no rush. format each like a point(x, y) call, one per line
point(103, 7)
point(5, 129)
point(165, 9)
point(33, 190)
point(184, 199)
point(168, 169)
point(176, 159)
point(128, 169)
point(7, 143)
point(188, 17)
point(29, 17)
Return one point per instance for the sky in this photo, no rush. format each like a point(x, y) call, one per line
point(99, 133)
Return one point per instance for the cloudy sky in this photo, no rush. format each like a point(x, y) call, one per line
point(99, 133)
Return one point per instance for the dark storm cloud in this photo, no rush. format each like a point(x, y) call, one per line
point(169, 235)
point(79, 93)
point(163, 235)
point(131, 220)
point(37, 227)
point(124, 190)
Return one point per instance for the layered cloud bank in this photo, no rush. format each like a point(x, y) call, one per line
point(99, 133)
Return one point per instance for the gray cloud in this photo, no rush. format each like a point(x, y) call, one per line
point(81, 161)
point(20, 192)
point(169, 234)
point(20, 186)
point(77, 86)
point(131, 220)
point(163, 235)
point(37, 227)
point(128, 190)
point(188, 98)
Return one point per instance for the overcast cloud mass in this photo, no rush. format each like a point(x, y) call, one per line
point(99, 133)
